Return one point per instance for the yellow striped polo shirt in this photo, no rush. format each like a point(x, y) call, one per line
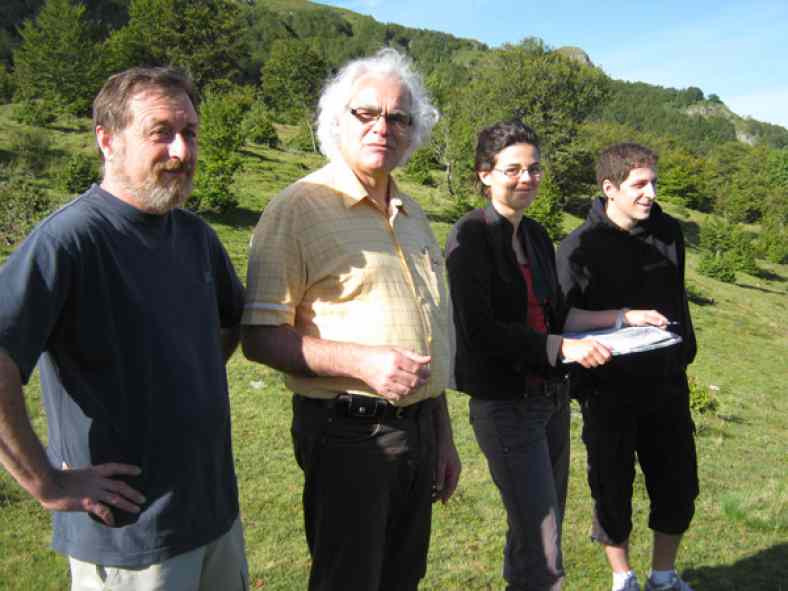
point(327, 261)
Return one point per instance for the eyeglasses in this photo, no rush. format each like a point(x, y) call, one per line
point(534, 171)
point(396, 119)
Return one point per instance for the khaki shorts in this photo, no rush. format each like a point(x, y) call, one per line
point(218, 565)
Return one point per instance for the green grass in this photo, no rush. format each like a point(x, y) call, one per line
point(738, 540)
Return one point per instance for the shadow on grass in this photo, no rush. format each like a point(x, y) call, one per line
point(252, 154)
point(765, 571)
point(444, 217)
point(68, 129)
point(697, 297)
point(735, 419)
point(761, 289)
point(239, 217)
point(769, 275)
point(6, 157)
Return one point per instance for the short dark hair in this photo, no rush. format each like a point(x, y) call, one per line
point(497, 137)
point(617, 161)
point(111, 105)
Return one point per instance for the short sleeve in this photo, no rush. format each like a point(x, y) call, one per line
point(276, 275)
point(229, 290)
point(35, 282)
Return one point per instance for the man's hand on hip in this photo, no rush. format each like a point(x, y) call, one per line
point(93, 490)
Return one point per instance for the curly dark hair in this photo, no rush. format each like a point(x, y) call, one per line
point(497, 137)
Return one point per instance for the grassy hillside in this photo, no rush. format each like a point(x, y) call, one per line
point(739, 540)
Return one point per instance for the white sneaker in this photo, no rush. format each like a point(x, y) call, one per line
point(676, 584)
point(631, 585)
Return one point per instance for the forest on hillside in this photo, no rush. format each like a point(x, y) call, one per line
point(260, 63)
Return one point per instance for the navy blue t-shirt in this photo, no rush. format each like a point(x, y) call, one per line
point(125, 310)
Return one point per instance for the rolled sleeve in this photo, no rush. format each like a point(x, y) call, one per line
point(276, 275)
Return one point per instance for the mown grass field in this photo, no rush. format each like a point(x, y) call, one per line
point(739, 538)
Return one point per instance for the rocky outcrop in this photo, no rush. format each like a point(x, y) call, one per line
point(576, 54)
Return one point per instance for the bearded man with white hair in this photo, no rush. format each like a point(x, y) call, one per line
point(346, 295)
point(133, 306)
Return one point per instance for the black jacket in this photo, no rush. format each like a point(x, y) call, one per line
point(496, 349)
point(601, 266)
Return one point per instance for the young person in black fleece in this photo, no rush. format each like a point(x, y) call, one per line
point(509, 316)
point(630, 253)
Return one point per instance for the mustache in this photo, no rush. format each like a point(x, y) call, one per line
point(175, 165)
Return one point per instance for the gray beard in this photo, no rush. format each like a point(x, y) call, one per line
point(159, 198)
point(156, 196)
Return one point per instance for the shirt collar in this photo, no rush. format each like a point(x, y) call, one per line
point(353, 192)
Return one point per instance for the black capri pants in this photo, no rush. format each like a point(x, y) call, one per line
point(663, 438)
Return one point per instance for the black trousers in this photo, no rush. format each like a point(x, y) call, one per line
point(367, 496)
point(663, 438)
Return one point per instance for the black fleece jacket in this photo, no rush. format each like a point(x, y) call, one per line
point(496, 349)
point(601, 266)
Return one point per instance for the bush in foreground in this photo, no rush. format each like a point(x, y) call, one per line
point(32, 149)
point(35, 113)
point(79, 172)
point(702, 398)
point(259, 128)
point(22, 205)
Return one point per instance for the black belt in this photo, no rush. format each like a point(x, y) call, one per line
point(356, 406)
point(548, 388)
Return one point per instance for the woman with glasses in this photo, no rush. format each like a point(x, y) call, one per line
point(509, 316)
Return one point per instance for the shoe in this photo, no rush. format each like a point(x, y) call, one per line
point(676, 584)
point(631, 584)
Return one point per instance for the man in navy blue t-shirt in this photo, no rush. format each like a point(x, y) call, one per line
point(132, 306)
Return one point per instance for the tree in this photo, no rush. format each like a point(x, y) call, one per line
point(737, 177)
point(6, 85)
point(221, 138)
point(546, 209)
point(777, 169)
point(202, 37)
point(58, 59)
point(291, 79)
point(259, 127)
point(548, 91)
point(681, 177)
point(725, 249)
point(292, 76)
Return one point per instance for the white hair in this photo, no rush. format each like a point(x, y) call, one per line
point(339, 90)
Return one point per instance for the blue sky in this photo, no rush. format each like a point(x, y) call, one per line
point(737, 50)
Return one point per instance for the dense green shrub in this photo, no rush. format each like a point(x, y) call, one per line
point(6, 85)
point(22, 205)
point(702, 398)
point(420, 166)
point(32, 150)
point(221, 119)
point(58, 59)
point(258, 127)
point(718, 266)
point(221, 138)
point(546, 208)
point(773, 241)
point(726, 248)
point(213, 186)
point(78, 173)
point(36, 113)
